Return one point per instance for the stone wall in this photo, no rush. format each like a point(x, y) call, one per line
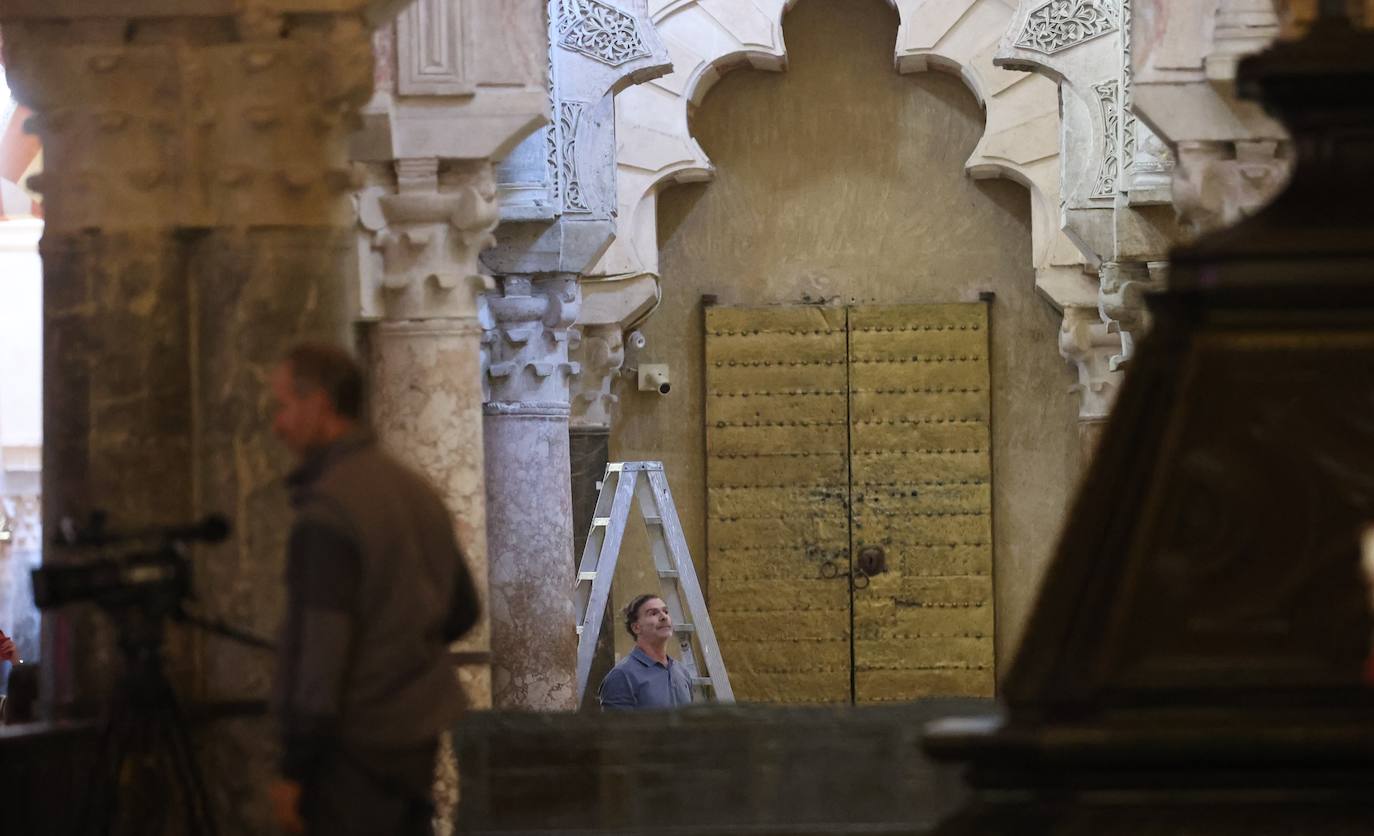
point(711, 770)
point(842, 179)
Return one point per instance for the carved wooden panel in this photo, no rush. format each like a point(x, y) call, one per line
point(921, 470)
point(777, 491)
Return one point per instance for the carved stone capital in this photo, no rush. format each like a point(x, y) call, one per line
point(525, 344)
point(1219, 183)
point(425, 231)
point(1121, 303)
point(194, 126)
point(1090, 345)
point(598, 352)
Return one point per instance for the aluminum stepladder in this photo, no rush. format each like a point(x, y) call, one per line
point(624, 484)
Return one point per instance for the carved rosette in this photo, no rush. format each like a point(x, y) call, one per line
point(600, 32)
point(1061, 24)
point(525, 347)
point(429, 233)
point(599, 354)
point(1090, 345)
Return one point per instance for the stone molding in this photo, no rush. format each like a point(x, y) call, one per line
point(558, 187)
point(1090, 345)
point(1233, 158)
point(424, 231)
point(525, 359)
point(708, 38)
point(1115, 194)
point(119, 156)
point(457, 79)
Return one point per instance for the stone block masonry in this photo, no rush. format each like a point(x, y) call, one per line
point(709, 770)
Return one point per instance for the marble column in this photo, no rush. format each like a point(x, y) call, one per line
point(529, 499)
point(425, 353)
point(559, 219)
point(448, 105)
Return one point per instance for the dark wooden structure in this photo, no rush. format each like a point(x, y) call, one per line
point(1195, 662)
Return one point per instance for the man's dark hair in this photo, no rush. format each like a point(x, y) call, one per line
point(331, 370)
point(632, 611)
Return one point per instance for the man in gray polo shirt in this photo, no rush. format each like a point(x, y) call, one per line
point(647, 678)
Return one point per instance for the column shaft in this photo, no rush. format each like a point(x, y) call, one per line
point(529, 495)
point(427, 409)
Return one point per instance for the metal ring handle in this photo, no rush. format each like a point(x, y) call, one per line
point(860, 575)
point(829, 571)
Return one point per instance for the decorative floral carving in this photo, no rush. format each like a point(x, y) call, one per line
point(569, 115)
point(1060, 24)
point(599, 31)
point(1109, 97)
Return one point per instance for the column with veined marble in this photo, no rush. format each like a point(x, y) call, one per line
point(460, 84)
point(559, 219)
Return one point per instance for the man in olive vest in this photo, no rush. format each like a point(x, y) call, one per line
point(376, 590)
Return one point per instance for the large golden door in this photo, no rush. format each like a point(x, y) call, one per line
point(849, 490)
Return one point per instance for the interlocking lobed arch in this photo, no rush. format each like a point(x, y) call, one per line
point(708, 38)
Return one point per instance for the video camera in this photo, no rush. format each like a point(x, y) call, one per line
point(154, 573)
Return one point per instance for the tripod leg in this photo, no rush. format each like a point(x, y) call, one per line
point(99, 807)
point(200, 818)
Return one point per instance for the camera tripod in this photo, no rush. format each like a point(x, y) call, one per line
point(144, 743)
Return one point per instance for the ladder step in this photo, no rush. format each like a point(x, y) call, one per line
point(616, 500)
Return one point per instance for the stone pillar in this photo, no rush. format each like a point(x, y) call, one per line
point(198, 222)
point(559, 219)
point(195, 184)
point(529, 499)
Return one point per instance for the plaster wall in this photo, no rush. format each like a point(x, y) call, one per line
point(21, 338)
point(842, 180)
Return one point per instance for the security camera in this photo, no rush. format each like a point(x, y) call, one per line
point(653, 377)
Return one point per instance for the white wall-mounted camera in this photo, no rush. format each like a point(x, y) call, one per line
point(653, 377)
